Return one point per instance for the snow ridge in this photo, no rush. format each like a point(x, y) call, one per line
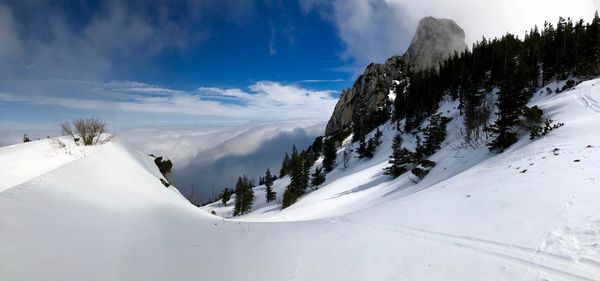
point(530, 213)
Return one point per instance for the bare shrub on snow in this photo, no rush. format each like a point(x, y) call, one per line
point(91, 131)
point(475, 135)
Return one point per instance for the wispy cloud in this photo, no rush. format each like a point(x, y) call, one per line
point(272, 50)
point(263, 100)
point(105, 40)
point(322, 81)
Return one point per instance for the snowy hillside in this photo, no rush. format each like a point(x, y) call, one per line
point(530, 213)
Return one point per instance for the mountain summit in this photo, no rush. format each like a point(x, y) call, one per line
point(434, 41)
point(369, 97)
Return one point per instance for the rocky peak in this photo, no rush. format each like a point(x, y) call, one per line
point(368, 95)
point(367, 100)
point(434, 41)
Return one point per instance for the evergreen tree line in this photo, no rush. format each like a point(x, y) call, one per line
point(244, 196)
point(366, 149)
point(516, 67)
point(403, 160)
point(299, 166)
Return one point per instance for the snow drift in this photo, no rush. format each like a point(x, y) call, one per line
point(529, 213)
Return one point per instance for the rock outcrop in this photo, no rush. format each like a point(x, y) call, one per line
point(434, 41)
point(368, 95)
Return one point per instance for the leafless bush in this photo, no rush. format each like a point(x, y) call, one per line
point(66, 129)
point(91, 131)
point(468, 141)
point(474, 132)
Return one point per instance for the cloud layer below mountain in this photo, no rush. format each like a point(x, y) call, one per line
point(209, 159)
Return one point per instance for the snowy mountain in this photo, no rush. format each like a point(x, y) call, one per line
point(529, 213)
point(434, 41)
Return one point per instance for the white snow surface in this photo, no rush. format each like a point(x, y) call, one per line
point(529, 213)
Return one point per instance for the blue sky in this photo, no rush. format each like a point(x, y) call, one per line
point(216, 62)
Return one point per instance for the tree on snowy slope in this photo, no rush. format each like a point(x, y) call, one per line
point(308, 161)
point(269, 193)
point(317, 146)
point(318, 178)
point(244, 196)
point(435, 134)
point(400, 159)
point(298, 179)
point(367, 149)
point(225, 196)
point(285, 166)
point(518, 67)
point(329, 155)
point(514, 95)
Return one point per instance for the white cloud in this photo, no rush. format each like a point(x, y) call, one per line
point(11, 43)
point(272, 50)
point(321, 80)
point(264, 100)
point(43, 42)
point(211, 158)
point(373, 30)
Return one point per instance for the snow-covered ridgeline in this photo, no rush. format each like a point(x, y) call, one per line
point(530, 213)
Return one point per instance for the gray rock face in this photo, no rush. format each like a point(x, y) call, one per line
point(434, 41)
point(368, 95)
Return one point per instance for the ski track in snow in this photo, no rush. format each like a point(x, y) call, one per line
point(535, 259)
point(589, 102)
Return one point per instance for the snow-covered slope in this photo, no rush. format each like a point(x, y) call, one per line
point(530, 213)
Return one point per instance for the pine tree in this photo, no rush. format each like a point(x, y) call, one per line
point(290, 197)
point(318, 178)
point(362, 148)
point(512, 98)
point(269, 193)
point(317, 146)
point(285, 166)
point(419, 149)
point(244, 196)
point(225, 196)
point(307, 164)
point(296, 170)
point(239, 197)
point(366, 149)
point(248, 196)
point(298, 178)
point(435, 134)
point(329, 155)
point(398, 159)
point(370, 148)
